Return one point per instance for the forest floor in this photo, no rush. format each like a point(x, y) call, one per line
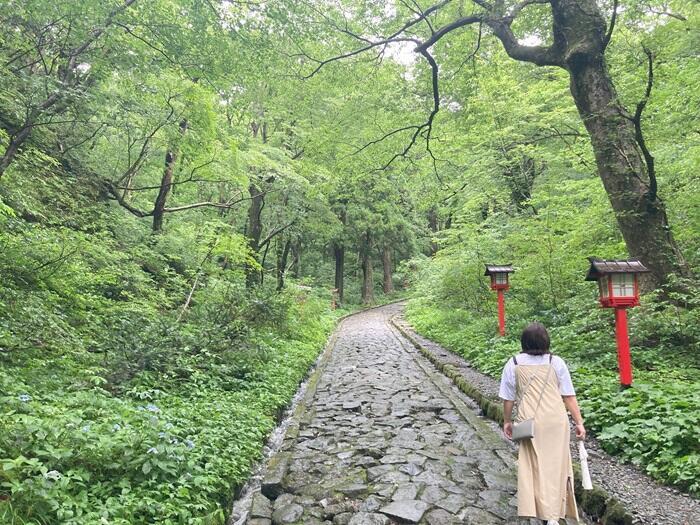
point(381, 438)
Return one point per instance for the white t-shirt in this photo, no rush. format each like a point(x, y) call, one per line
point(507, 390)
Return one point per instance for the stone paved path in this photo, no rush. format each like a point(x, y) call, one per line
point(386, 439)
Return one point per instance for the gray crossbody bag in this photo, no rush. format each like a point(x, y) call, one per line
point(526, 429)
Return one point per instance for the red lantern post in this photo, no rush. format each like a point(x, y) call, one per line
point(618, 285)
point(499, 282)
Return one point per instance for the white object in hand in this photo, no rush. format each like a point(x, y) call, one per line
point(585, 474)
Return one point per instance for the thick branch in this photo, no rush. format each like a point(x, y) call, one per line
point(467, 20)
point(117, 196)
point(540, 55)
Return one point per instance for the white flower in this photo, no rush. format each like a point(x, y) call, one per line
point(152, 450)
point(25, 397)
point(116, 427)
point(53, 475)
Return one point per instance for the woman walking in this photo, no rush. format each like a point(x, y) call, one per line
point(541, 384)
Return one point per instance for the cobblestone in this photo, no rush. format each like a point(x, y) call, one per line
point(386, 439)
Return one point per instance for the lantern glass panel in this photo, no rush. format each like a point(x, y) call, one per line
point(501, 278)
point(603, 285)
point(623, 284)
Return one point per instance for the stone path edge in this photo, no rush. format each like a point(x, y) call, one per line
point(597, 503)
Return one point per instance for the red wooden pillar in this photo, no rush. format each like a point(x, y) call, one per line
point(624, 360)
point(501, 313)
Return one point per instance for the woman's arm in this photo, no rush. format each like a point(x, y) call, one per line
point(572, 406)
point(507, 422)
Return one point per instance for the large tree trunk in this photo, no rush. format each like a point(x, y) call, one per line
point(640, 213)
point(386, 265)
point(339, 255)
point(624, 165)
point(254, 231)
point(367, 279)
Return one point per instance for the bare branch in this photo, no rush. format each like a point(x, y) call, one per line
point(394, 37)
point(145, 41)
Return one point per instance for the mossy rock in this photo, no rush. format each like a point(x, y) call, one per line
point(594, 502)
point(615, 514)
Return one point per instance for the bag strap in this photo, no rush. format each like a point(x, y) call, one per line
point(544, 385)
point(527, 387)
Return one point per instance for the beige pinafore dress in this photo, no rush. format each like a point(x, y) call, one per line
point(545, 474)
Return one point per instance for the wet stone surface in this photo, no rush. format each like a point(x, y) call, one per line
point(383, 441)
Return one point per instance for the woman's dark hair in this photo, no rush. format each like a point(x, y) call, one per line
point(535, 339)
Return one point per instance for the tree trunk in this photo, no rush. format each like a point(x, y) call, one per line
point(13, 147)
point(640, 213)
point(166, 183)
point(433, 225)
point(339, 255)
point(339, 252)
point(282, 257)
point(367, 279)
point(296, 259)
point(254, 231)
point(386, 265)
point(624, 165)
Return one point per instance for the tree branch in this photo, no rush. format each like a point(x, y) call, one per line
point(117, 196)
point(539, 55)
point(224, 205)
point(275, 232)
point(611, 28)
point(639, 136)
point(461, 22)
point(394, 37)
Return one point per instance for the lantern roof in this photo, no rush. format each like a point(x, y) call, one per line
point(498, 268)
point(600, 267)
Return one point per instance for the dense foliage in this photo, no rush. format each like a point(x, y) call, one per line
point(117, 404)
point(187, 185)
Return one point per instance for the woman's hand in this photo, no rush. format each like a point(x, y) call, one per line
point(508, 429)
point(572, 406)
